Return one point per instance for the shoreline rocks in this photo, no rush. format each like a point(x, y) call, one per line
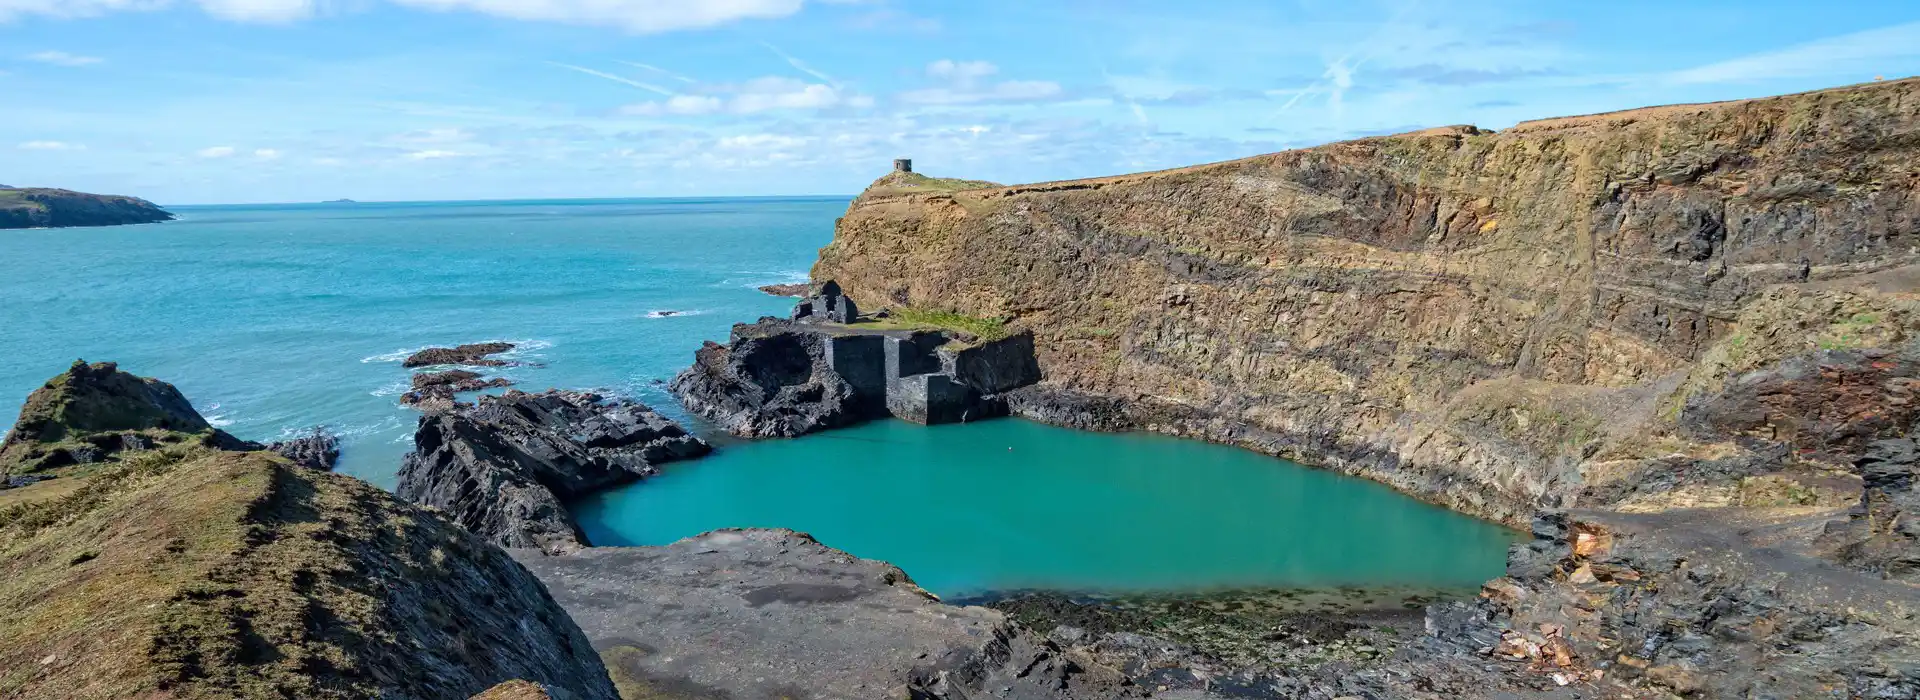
point(435, 391)
point(787, 290)
point(318, 449)
point(471, 354)
point(503, 467)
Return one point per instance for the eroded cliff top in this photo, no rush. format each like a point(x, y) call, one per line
point(897, 184)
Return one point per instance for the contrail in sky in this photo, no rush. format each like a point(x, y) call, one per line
point(615, 78)
point(802, 67)
point(662, 71)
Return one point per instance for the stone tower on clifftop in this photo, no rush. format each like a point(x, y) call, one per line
point(903, 165)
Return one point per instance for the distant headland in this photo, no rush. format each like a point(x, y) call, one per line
point(40, 207)
point(339, 201)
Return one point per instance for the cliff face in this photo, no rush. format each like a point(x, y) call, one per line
point(1494, 321)
point(37, 207)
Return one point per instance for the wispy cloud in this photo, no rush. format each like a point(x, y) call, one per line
point(1436, 74)
point(799, 66)
point(62, 58)
point(1859, 52)
point(216, 152)
point(964, 84)
point(772, 93)
point(609, 76)
point(51, 146)
point(662, 71)
point(434, 154)
point(266, 154)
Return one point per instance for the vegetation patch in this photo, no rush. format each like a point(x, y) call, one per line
point(988, 329)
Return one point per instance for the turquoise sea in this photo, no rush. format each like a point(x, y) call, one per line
point(273, 319)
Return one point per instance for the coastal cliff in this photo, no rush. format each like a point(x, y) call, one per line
point(39, 207)
point(1553, 315)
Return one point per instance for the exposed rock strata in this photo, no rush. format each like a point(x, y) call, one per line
point(37, 207)
point(787, 378)
point(503, 467)
point(1487, 321)
point(471, 354)
point(318, 449)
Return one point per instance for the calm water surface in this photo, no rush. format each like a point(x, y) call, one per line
point(276, 318)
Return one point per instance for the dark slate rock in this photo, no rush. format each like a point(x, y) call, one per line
point(471, 354)
point(318, 449)
point(503, 467)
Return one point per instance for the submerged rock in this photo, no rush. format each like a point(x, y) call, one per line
point(318, 449)
point(95, 411)
point(471, 354)
point(239, 575)
point(503, 467)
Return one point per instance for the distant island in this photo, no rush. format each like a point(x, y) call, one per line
point(40, 207)
point(339, 201)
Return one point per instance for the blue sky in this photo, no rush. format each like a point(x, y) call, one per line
point(214, 101)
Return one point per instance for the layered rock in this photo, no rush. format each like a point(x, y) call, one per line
point(240, 575)
point(435, 391)
point(318, 449)
point(782, 379)
point(38, 207)
point(502, 468)
point(1490, 321)
point(470, 354)
point(95, 411)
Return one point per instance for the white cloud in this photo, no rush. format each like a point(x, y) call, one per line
point(1010, 91)
point(433, 154)
point(216, 152)
point(755, 96)
point(62, 58)
point(263, 11)
point(1860, 51)
point(51, 146)
point(964, 72)
point(266, 154)
point(639, 16)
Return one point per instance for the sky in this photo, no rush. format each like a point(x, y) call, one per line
point(243, 101)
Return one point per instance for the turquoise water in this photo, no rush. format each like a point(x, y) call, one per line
point(1012, 504)
point(273, 319)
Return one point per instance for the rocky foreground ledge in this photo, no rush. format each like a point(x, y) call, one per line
point(39, 207)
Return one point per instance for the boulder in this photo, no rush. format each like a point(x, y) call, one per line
point(318, 449)
point(471, 354)
point(95, 411)
point(503, 467)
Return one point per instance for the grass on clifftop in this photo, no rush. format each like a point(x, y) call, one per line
point(899, 183)
point(988, 329)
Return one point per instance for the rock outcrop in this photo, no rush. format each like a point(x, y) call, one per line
point(95, 411)
point(240, 575)
point(36, 207)
point(470, 354)
point(827, 305)
point(503, 467)
point(786, 378)
point(788, 290)
point(435, 391)
point(1496, 322)
point(318, 449)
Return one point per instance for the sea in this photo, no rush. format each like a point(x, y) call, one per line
point(274, 319)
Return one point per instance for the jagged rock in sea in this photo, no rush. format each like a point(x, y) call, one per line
point(240, 575)
point(780, 378)
point(470, 354)
point(36, 207)
point(503, 467)
point(95, 411)
point(434, 391)
point(318, 449)
point(788, 290)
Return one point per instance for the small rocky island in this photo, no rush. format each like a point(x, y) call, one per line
point(829, 366)
point(40, 207)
